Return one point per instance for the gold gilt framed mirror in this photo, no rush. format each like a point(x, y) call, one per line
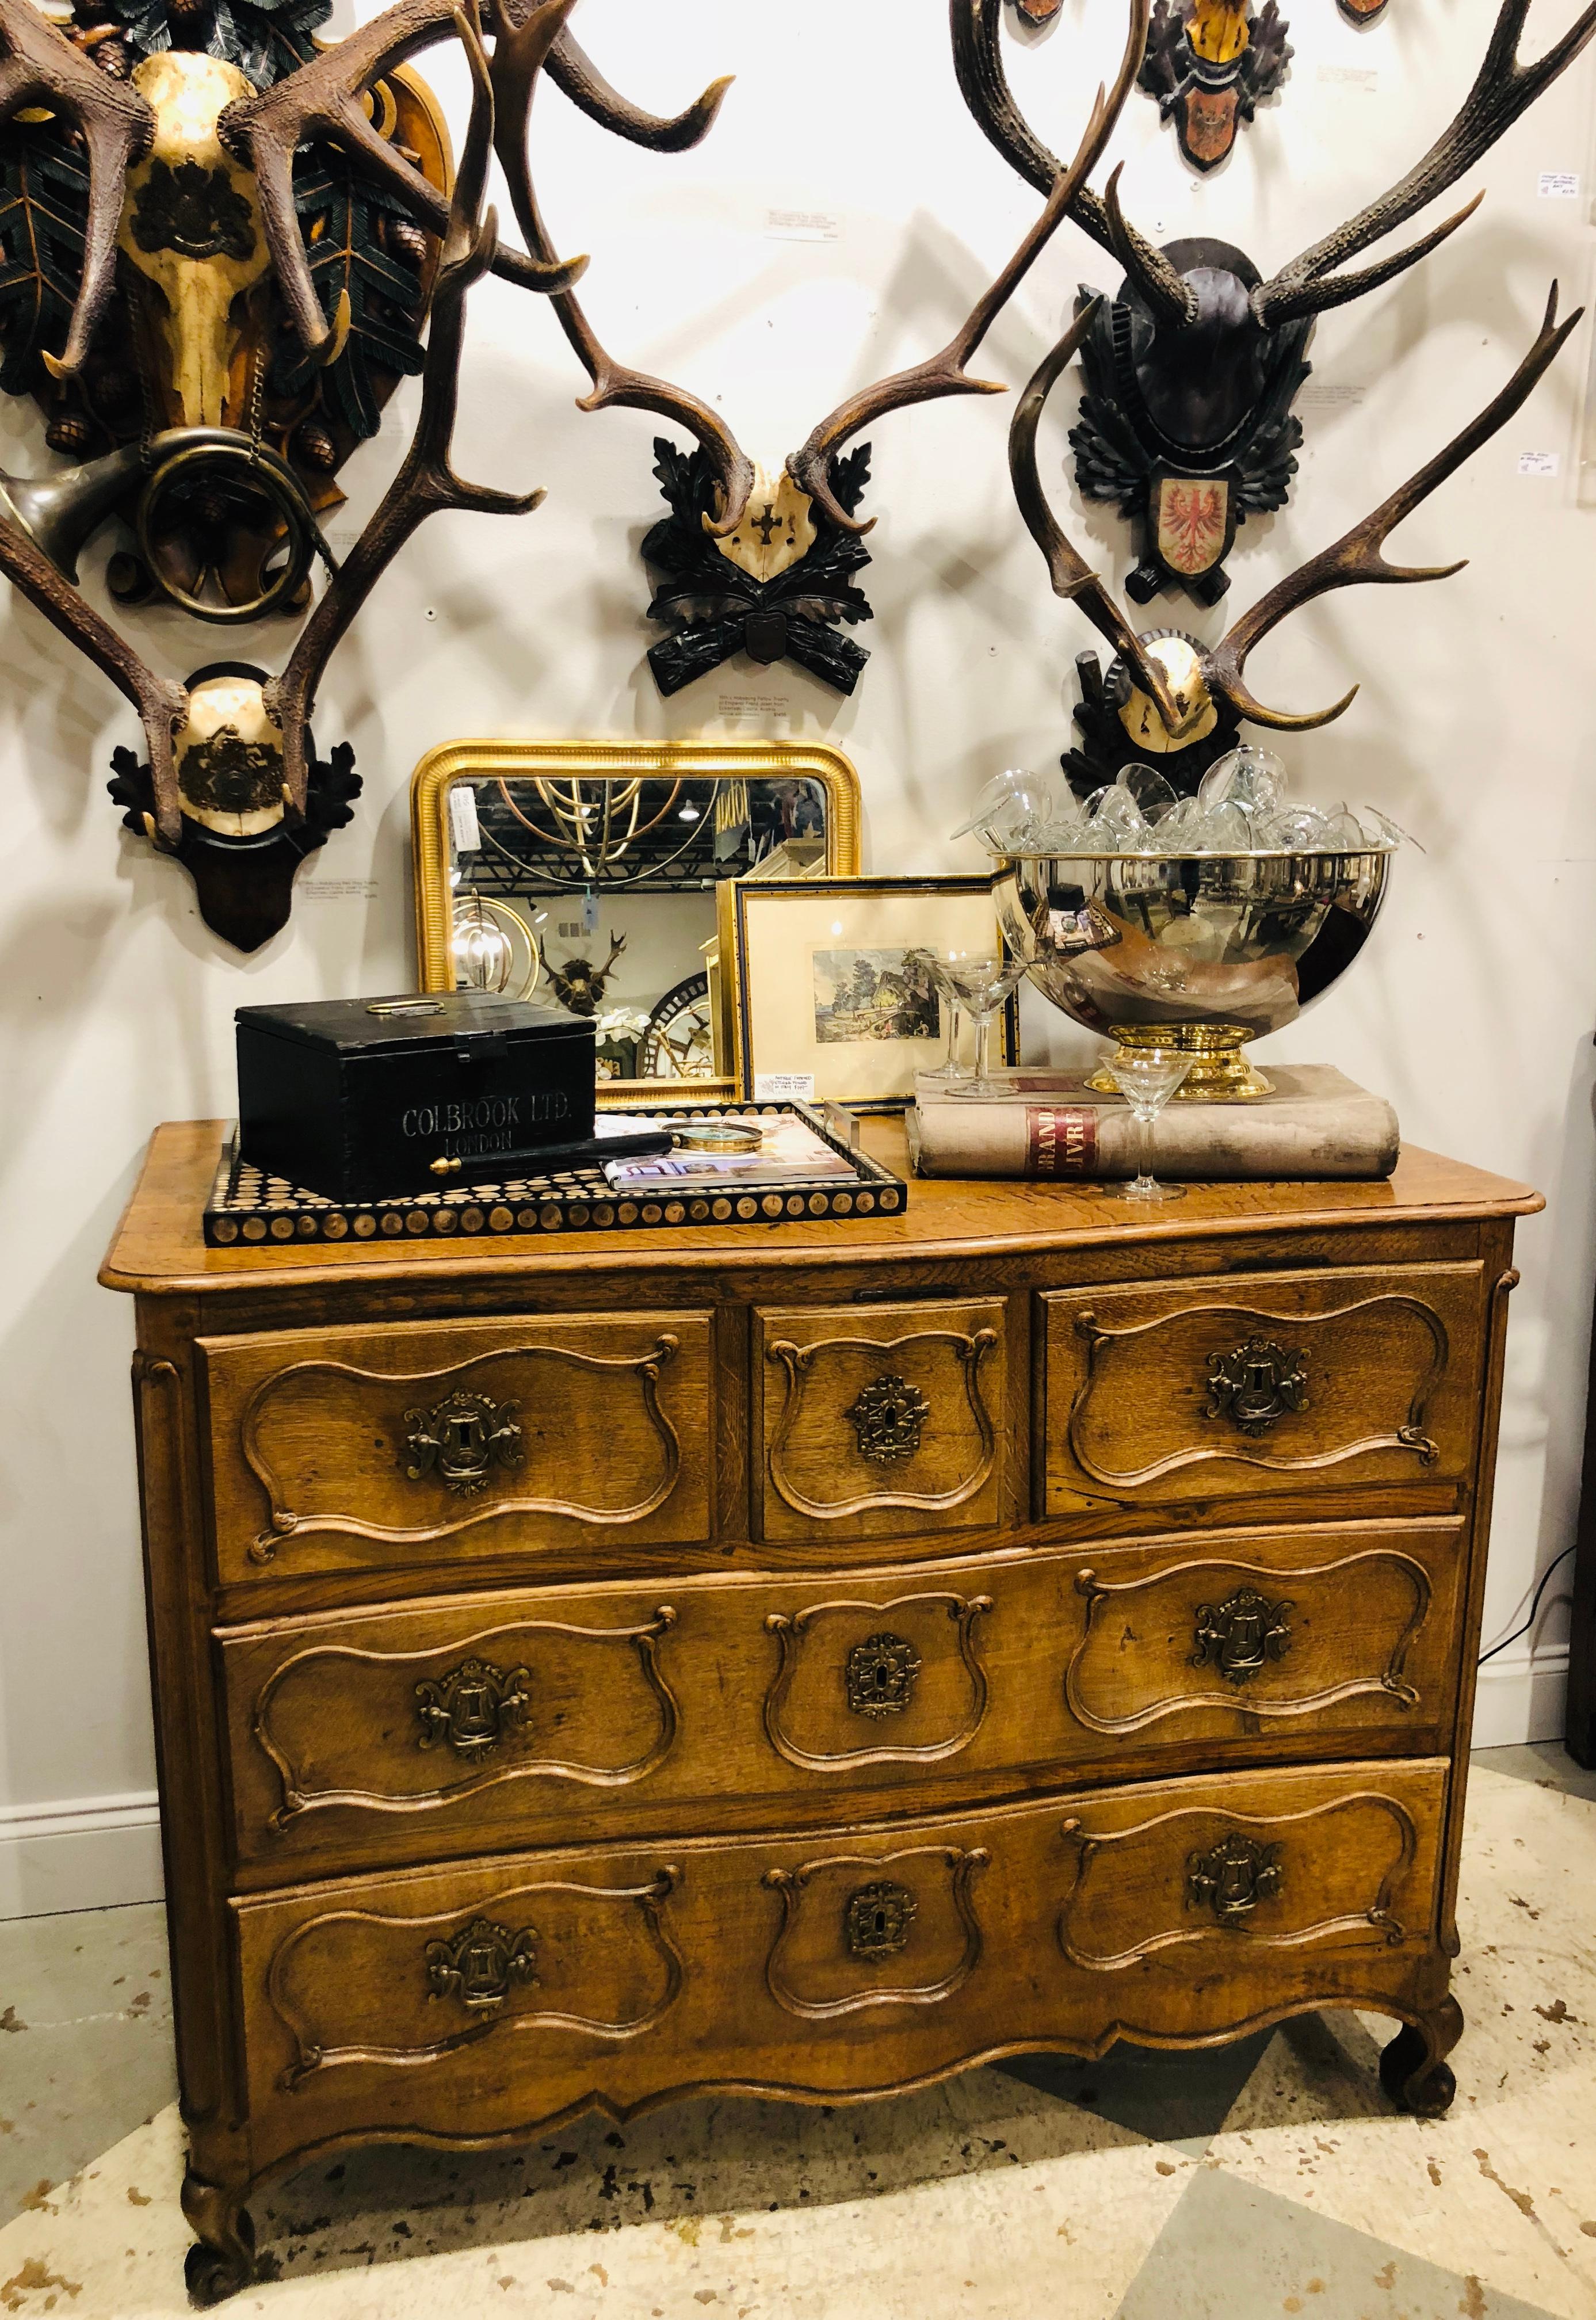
point(582, 874)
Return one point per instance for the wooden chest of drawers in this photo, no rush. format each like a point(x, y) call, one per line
point(806, 1661)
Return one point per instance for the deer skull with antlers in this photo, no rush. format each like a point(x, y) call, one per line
point(1168, 695)
point(1192, 366)
point(221, 244)
point(759, 560)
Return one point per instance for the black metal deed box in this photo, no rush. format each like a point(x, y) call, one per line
point(355, 1098)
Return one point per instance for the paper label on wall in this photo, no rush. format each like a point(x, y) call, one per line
point(756, 704)
point(462, 818)
point(801, 225)
point(1331, 394)
point(776, 1087)
point(1559, 185)
point(1363, 78)
point(339, 889)
point(1539, 463)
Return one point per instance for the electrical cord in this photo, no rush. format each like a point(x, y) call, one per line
point(1534, 1607)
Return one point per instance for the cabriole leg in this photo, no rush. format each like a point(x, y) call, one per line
point(224, 2260)
point(1413, 2069)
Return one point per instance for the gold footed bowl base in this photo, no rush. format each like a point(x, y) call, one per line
point(1220, 1072)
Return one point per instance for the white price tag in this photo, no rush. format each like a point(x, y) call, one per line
point(339, 889)
point(801, 225)
point(1538, 463)
point(1365, 78)
point(1559, 185)
point(756, 704)
point(462, 818)
point(1331, 394)
point(772, 1087)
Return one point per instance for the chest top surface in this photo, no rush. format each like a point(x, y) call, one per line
point(158, 1250)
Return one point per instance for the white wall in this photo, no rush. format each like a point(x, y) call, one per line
point(1473, 1007)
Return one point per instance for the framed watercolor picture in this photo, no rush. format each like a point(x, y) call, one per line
point(829, 993)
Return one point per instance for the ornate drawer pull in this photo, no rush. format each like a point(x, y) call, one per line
point(461, 1439)
point(482, 1965)
point(1233, 1876)
point(1256, 1383)
point(473, 1707)
point(875, 1920)
point(879, 1675)
point(888, 1419)
point(1241, 1635)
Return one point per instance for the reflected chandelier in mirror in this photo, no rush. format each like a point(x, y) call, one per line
point(583, 874)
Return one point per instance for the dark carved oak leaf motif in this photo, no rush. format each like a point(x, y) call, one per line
point(193, 211)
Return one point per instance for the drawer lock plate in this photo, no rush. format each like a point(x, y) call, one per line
point(1255, 1384)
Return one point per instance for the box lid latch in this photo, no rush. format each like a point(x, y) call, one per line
point(482, 1046)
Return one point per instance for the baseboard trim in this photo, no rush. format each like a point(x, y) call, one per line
point(80, 1853)
point(1521, 1696)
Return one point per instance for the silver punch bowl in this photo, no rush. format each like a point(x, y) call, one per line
point(1201, 951)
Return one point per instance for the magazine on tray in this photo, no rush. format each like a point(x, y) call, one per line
point(789, 1152)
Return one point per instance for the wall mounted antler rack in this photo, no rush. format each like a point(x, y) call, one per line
point(1192, 366)
point(1169, 695)
point(221, 247)
point(754, 560)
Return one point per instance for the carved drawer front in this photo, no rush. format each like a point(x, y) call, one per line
point(392, 1735)
point(880, 1421)
point(499, 1994)
point(333, 1448)
point(394, 1982)
point(1208, 1878)
point(411, 1726)
point(1225, 1388)
point(1337, 1629)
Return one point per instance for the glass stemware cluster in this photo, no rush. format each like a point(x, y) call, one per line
point(974, 983)
point(1241, 807)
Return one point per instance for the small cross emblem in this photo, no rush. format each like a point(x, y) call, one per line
point(766, 523)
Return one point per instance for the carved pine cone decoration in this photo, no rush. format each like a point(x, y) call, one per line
point(314, 447)
point(407, 239)
point(71, 432)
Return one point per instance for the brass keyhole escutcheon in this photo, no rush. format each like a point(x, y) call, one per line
point(888, 1419)
point(879, 1675)
point(877, 1919)
point(1233, 1876)
point(471, 1708)
point(1242, 1635)
point(1255, 1384)
point(461, 1439)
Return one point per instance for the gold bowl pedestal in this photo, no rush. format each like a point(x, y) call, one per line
point(1201, 952)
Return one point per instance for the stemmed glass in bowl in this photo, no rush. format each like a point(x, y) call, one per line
point(1146, 1077)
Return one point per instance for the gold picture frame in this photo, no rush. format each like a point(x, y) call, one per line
point(622, 762)
point(776, 938)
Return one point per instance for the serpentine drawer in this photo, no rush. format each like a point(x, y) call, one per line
point(501, 1993)
point(1221, 1388)
point(377, 1448)
point(481, 1721)
point(880, 1421)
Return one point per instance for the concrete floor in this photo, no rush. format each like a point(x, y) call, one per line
point(1262, 2179)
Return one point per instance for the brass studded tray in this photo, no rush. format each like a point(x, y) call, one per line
point(246, 1208)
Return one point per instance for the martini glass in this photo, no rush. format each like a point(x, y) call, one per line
point(980, 981)
point(951, 1069)
point(1146, 1077)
